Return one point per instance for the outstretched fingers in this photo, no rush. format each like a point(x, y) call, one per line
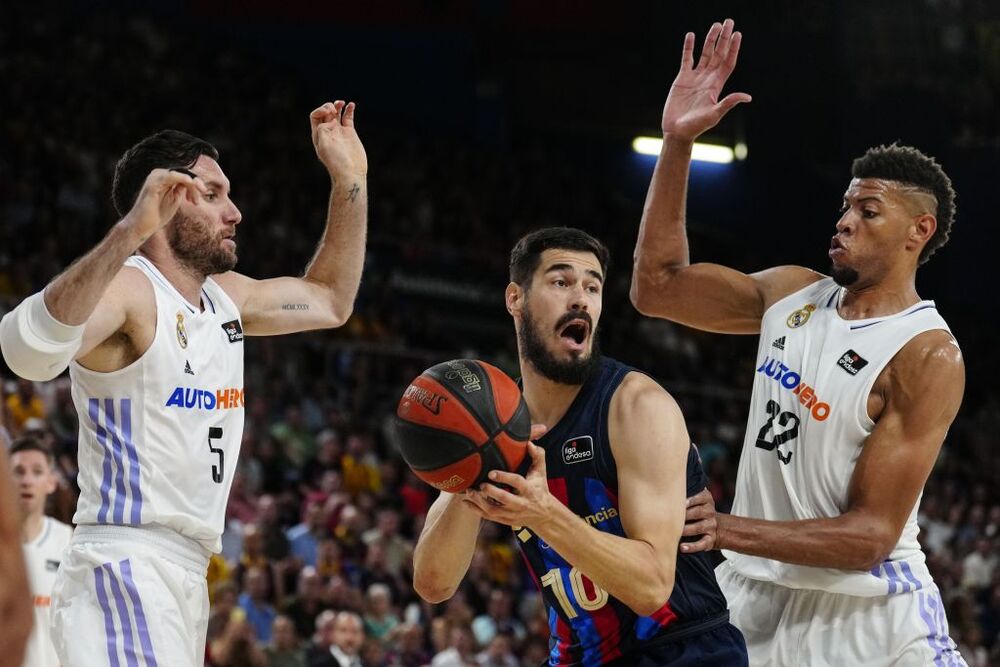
point(708, 50)
point(723, 45)
point(687, 53)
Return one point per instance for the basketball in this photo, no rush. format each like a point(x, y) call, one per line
point(459, 420)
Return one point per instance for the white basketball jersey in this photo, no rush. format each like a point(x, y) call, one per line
point(42, 557)
point(159, 439)
point(808, 422)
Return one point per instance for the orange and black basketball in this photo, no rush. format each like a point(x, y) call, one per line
point(458, 421)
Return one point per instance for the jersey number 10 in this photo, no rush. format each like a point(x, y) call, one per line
point(584, 600)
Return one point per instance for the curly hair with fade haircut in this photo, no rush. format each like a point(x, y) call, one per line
point(909, 166)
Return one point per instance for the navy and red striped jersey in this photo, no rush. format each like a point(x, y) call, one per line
point(588, 626)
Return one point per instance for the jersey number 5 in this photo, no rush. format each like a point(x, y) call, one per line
point(215, 433)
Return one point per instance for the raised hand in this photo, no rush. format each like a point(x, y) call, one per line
point(337, 144)
point(693, 105)
point(160, 197)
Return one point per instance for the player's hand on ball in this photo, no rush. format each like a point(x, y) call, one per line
point(700, 519)
point(693, 105)
point(528, 502)
point(337, 144)
point(160, 197)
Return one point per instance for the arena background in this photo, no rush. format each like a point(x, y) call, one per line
point(484, 120)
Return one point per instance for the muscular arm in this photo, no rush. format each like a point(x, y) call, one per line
point(664, 282)
point(38, 340)
point(925, 385)
point(324, 296)
point(445, 548)
point(704, 296)
point(650, 444)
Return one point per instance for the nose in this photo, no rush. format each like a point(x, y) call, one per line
point(846, 223)
point(579, 300)
point(232, 215)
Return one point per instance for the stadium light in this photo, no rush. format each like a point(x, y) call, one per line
point(701, 153)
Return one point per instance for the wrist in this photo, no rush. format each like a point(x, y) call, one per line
point(345, 177)
point(677, 142)
point(722, 524)
point(548, 519)
point(130, 230)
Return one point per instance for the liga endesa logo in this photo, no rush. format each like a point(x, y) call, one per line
point(192, 398)
point(791, 381)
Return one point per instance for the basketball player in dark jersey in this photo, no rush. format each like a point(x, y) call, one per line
point(599, 513)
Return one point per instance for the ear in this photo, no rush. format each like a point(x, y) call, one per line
point(921, 231)
point(514, 298)
point(51, 484)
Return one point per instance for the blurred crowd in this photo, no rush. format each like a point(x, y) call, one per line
point(316, 562)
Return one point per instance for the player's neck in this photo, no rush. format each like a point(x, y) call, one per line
point(547, 400)
point(185, 281)
point(886, 297)
point(31, 527)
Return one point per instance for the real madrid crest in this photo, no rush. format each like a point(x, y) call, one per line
point(800, 317)
point(182, 336)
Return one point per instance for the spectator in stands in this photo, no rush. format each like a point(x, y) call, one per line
point(306, 605)
point(461, 651)
point(304, 537)
point(379, 619)
point(285, 649)
point(498, 618)
point(24, 404)
point(254, 601)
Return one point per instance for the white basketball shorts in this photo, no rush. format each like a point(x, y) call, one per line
point(795, 627)
point(130, 597)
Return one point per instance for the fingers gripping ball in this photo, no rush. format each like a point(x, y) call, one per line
point(458, 421)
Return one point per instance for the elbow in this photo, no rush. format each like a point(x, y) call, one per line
point(431, 583)
point(654, 595)
point(648, 285)
point(875, 545)
point(640, 293)
point(430, 590)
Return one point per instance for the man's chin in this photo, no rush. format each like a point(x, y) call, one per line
point(845, 276)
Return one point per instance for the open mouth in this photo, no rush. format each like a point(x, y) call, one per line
point(836, 247)
point(575, 333)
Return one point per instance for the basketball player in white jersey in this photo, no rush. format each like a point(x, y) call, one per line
point(43, 539)
point(16, 618)
point(856, 383)
point(151, 323)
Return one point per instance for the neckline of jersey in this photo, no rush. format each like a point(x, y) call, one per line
point(162, 279)
point(869, 321)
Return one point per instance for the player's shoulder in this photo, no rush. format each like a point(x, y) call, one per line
point(778, 282)
point(640, 396)
point(133, 285)
point(934, 353)
point(236, 286)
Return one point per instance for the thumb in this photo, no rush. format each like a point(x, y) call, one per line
point(726, 104)
point(537, 431)
point(537, 454)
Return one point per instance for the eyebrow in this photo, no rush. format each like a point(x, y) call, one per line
point(572, 269)
point(217, 185)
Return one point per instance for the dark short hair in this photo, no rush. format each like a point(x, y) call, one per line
point(27, 443)
point(527, 252)
point(167, 149)
point(908, 165)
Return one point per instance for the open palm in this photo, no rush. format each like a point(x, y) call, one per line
point(693, 105)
